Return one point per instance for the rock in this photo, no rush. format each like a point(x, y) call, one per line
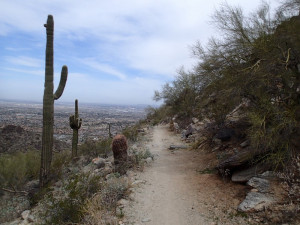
point(241, 158)
point(119, 212)
point(245, 144)
point(137, 182)
point(195, 120)
point(109, 176)
point(25, 214)
point(30, 219)
point(255, 201)
point(183, 133)
point(245, 175)
point(131, 196)
point(122, 202)
point(268, 174)
point(262, 185)
point(108, 164)
point(176, 127)
point(99, 162)
point(172, 147)
point(148, 160)
point(189, 130)
point(145, 220)
point(58, 183)
point(88, 168)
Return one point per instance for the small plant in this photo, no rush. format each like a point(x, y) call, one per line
point(141, 155)
point(208, 171)
point(113, 190)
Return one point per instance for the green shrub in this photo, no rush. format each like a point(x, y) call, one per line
point(131, 133)
point(59, 161)
point(96, 148)
point(19, 168)
point(141, 155)
point(67, 205)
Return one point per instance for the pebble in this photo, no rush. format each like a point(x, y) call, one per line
point(25, 214)
point(146, 220)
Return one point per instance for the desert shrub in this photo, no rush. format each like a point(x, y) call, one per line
point(139, 156)
point(59, 161)
point(131, 133)
point(291, 179)
point(113, 190)
point(158, 115)
point(100, 209)
point(96, 148)
point(19, 168)
point(66, 205)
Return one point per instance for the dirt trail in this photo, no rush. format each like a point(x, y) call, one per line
point(175, 192)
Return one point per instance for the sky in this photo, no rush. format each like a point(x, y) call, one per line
point(117, 51)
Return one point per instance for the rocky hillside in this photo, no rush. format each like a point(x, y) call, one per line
point(15, 138)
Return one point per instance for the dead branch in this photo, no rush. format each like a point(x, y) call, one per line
point(15, 191)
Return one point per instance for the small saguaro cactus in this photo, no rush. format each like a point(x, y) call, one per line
point(109, 131)
point(48, 103)
point(75, 124)
point(119, 148)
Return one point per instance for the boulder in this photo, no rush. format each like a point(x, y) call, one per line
point(240, 158)
point(172, 147)
point(99, 162)
point(245, 143)
point(255, 201)
point(262, 185)
point(189, 130)
point(243, 176)
point(25, 214)
point(176, 127)
point(195, 120)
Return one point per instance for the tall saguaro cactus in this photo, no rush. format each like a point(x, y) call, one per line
point(48, 103)
point(75, 124)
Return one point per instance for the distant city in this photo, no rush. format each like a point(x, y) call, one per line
point(95, 118)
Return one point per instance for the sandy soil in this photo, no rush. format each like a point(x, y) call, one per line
point(173, 190)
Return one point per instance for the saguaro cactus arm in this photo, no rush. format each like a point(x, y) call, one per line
point(62, 82)
point(75, 123)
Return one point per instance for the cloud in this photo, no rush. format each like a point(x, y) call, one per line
point(135, 45)
point(105, 68)
point(24, 61)
point(31, 72)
